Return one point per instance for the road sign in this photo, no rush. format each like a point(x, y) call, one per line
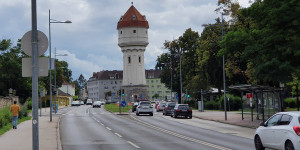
point(27, 67)
point(113, 94)
point(27, 40)
point(140, 96)
point(123, 103)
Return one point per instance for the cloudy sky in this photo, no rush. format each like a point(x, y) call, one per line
point(91, 40)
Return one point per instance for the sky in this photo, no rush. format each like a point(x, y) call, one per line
point(91, 40)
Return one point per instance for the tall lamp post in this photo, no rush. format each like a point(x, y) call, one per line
point(50, 61)
point(55, 77)
point(224, 79)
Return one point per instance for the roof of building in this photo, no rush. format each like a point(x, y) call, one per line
point(61, 93)
point(106, 75)
point(118, 74)
point(132, 18)
point(67, 83)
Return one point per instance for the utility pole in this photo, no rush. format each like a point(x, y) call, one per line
point(35, 74)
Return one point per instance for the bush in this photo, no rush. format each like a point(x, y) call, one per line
point(29, 103)
point(290, 102)
point(234, 102)
point(5, 116)
point(23, 113)
point(211, 105)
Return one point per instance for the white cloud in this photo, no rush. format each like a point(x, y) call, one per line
point(91, 39)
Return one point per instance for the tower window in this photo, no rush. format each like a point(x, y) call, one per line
point(129, 60)
point(121, 32)
point(139, 59)
point(134, 31)
point(133, 17)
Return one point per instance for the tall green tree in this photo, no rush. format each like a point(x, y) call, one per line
point(270, 44)
point(11, 70)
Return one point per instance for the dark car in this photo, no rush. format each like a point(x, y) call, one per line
point(134, 106)
point(182, 110)
point(168, 108)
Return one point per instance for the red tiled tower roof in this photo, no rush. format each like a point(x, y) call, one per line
point(132, 18)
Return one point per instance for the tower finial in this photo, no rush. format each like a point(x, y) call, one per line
point(131, 3)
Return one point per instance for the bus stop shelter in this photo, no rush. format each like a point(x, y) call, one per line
point(262, 101)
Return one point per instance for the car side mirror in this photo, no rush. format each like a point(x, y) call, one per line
point(262, 124)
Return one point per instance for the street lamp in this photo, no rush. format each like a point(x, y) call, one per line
point(50, 61)
point(55, 76)
point(225, 107)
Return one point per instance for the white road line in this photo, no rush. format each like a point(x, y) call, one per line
point(133, 144)
point(108, 128)
point(118, 135)
point(102, 124)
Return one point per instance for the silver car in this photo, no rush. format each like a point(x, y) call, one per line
point(144, 108)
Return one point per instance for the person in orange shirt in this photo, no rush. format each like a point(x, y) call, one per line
point(15, 113)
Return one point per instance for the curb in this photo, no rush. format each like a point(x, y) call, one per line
point(58, 135)
point(251, 127)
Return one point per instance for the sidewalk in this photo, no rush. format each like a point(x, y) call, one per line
point(21, 138)
point(233, 118)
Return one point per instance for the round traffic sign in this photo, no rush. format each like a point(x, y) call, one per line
point(42, 43)
point(123, 103)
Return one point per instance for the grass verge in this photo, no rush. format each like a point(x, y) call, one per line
point(9, 126)
point(113, 107)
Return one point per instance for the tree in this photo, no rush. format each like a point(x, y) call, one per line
point(270, 45)
point(81, 81)
point(10, 68)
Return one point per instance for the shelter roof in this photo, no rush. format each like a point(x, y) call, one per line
point(255, 88)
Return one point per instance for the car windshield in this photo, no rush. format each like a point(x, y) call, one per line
point(185, 107)
point(97, 102)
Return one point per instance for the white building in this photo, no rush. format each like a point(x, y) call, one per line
point(133, 40)
point(110, 82)
point(105, 85)
point(68, 88)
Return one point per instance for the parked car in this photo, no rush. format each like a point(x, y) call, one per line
point(81, 102)
point(182, 110)
point(102, 102)
point(144, 108)
point(75, 103)
point(160, 106)
point(168, 108)
point(134, 107)
point(89, 102)
point(97, 104)
point(281, 131)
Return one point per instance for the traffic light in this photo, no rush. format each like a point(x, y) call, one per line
point(188, 95)
point(119, 92)
point(123, 92)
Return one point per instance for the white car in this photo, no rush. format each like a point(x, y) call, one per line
point(144, 108)
point(281, 131)
point(89, 102)
point(97, 104)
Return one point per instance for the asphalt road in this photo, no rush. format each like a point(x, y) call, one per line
point(87, 128)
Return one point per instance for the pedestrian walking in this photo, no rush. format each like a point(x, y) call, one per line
point(14, 109)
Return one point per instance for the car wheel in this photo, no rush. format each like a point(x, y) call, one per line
point(258, 144)
point(151, 114)
point(191, 117)
point(137, 114)
point(171, 115)
point(175, 116)
point(289, 146)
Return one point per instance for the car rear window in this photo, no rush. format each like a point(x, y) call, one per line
point(145, 104)
point(184, 107)
point(172, 104)
point(299, 119)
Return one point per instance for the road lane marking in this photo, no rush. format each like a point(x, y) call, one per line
point(133, 144)
point(118, 135)
point(108, 128)
point(102, 124)
point(179, 135)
